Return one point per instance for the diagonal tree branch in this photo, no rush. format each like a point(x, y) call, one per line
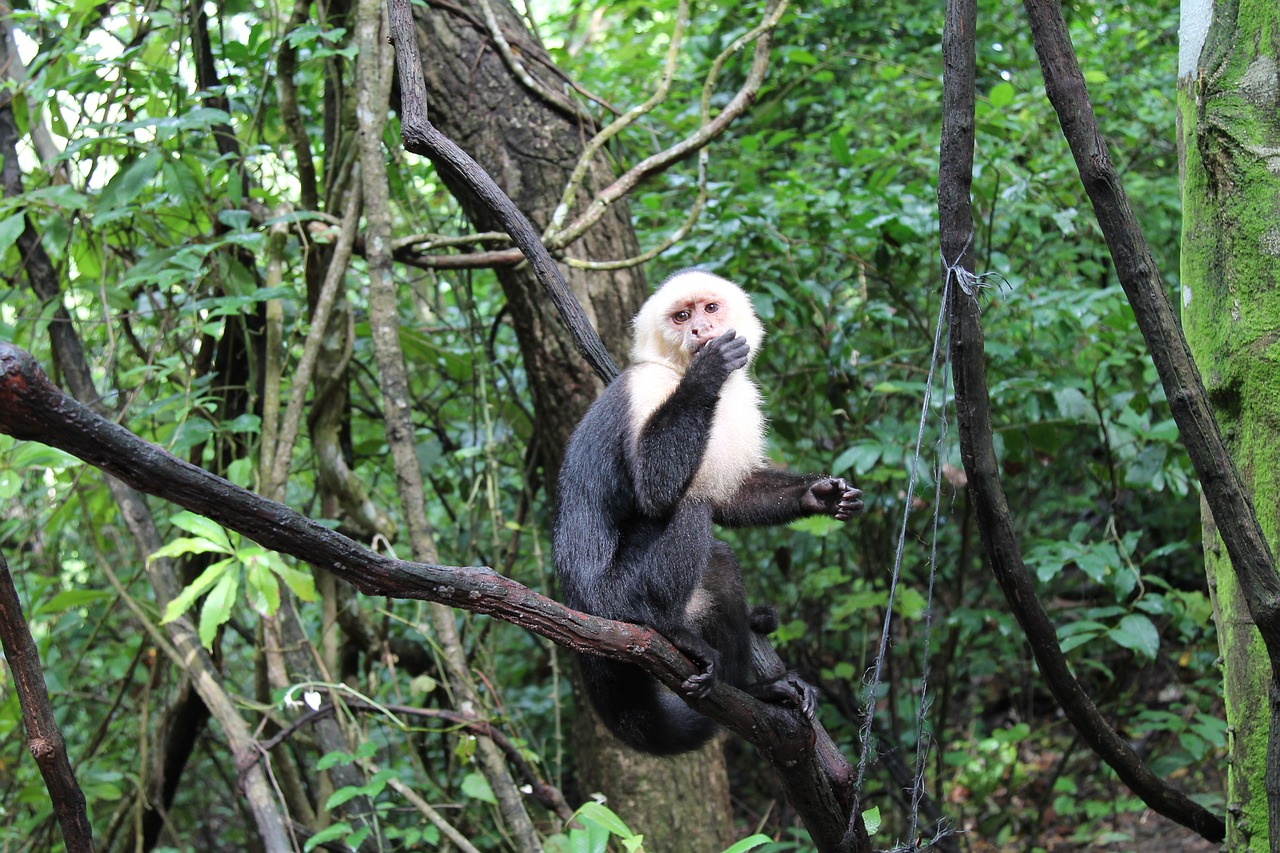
point(1140, 277)
point(973, 413)
point(421, 137)
point(32, 408)
point(1224, 492)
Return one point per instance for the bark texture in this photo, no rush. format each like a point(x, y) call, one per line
point(530, 147)
point(1229, 111)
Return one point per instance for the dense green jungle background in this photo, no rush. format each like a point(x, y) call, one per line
point(821, 203)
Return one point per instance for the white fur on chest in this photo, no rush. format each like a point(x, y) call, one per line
point(735, 447)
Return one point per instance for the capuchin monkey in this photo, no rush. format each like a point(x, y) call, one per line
point(673, 446)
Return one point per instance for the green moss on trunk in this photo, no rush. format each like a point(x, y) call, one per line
point(1230, 137)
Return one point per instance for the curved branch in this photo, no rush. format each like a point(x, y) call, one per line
point(421, 137)
point(557, 101)
point(32, 408)
point(621, 123)
point(744, 98)
point(530, 48)
point(540, 789)
point(973, 415)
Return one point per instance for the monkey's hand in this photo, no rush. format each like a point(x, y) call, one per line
point(832, 496)
point(717, 358)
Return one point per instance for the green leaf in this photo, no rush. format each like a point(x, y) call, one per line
point(1138, 634)
point(301, 583)
point(201, 526)
point(477, 787)
point(801, 56)
point(342, 795)
point(861, 457)
point(1001, 95)
point(217, 607)
point(263, 588)
point(333, 759)
point(10, 229)
point(125, 186)
point(188, 545)
point(332, 832)
point(749, 843)
point(183, 601)
point(1072, 403)
point(816, 525)
point(871, 817)
point(840, 149)
point(68, 599)
point(603, 816)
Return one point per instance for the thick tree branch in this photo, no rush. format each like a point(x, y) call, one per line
point(421, 137)
point(1226, 495)
point(977, 450)
point(1224, 492)
point(44, 738)
point(32, 408)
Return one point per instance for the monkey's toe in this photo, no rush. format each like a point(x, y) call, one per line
point(808, 698)
point(698, 686)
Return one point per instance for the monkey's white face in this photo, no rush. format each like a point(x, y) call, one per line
point(688, 310)
point(696, 320)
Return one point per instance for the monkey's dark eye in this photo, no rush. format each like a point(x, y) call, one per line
point(680, 316)
point(712, 307)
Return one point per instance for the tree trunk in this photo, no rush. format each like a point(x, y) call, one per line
point(1228, 92)
point(530, 148)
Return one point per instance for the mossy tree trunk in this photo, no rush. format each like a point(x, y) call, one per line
point(1229, 117)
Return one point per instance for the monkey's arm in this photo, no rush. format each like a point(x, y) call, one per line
point(772, 496)
point(666, 454)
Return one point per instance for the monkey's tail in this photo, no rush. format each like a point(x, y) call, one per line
point(641, 712)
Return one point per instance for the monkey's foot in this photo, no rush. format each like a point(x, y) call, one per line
point(698, 686)
point(791, 690)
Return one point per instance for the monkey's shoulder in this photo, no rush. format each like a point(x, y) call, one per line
point(645, 387)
